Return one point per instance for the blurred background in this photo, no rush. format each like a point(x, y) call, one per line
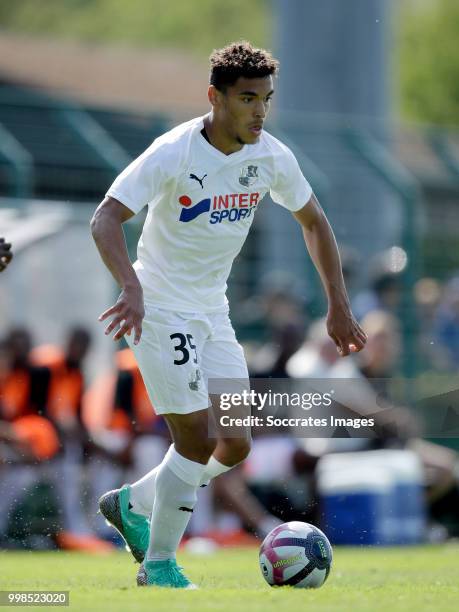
point(368, 100)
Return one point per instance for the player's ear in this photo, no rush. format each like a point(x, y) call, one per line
point(213, 95)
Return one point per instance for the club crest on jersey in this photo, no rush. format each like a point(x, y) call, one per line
point(195, 381)
point(249, 175)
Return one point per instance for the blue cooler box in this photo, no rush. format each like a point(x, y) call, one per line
point(372, 497)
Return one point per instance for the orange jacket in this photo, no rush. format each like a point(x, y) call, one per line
point(119, 400)
point(66, 384)
point(23, 391)
point(38, 434)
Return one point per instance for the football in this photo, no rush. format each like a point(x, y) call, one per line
point(296, 554)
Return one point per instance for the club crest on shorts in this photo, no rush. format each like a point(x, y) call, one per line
point(249, 175)
point(195, 380)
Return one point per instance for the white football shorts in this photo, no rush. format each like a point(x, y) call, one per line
point(179, 353)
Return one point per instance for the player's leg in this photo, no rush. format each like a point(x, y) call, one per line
point(221, 356)
point(177, 481)
point(147, 451)
point(176, 485)
point(233, 492)
point(143, 490)
point(227, 454)
point(226, 371)
point(167, 356)
point(232, 488)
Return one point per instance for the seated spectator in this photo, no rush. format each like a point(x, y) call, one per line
point(25, 385)
point(28, 440)
point(66, 382)
point(63, 407)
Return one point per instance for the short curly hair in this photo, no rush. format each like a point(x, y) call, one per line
point(240, 59)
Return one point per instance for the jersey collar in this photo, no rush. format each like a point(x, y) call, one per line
point(213, 150)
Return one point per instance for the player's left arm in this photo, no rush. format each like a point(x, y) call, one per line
point(321, 244)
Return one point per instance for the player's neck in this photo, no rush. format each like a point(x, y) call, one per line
point(219, 137)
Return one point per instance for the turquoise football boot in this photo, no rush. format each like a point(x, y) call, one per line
point(133, 527)
point(163, 574)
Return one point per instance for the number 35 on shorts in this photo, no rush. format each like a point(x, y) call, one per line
point(185, 348)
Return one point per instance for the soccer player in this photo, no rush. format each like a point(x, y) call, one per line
point(203, 182)
point(5, 254)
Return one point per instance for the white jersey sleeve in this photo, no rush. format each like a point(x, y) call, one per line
point(145, 177)
point(290, 189)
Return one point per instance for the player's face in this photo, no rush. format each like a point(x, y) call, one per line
point(244, 107)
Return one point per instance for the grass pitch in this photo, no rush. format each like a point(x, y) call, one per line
point(403, 579)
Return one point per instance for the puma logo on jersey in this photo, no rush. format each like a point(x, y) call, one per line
point(196, 178)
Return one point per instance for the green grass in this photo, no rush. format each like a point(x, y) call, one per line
point(420, 579)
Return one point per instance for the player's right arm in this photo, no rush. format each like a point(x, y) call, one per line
point(107, 231)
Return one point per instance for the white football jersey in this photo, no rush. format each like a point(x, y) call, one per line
point(201, 204)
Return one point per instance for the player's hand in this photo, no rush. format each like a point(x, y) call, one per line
point(345, 332)
point(128, 314)
point(5, 254)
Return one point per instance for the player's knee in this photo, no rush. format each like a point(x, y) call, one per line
point(197, 449)
point(191, 436)
point(207, 447)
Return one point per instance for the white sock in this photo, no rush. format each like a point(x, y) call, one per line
point(142, 494)
point(143, 491)
point(213, 468)
point(176, 485)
